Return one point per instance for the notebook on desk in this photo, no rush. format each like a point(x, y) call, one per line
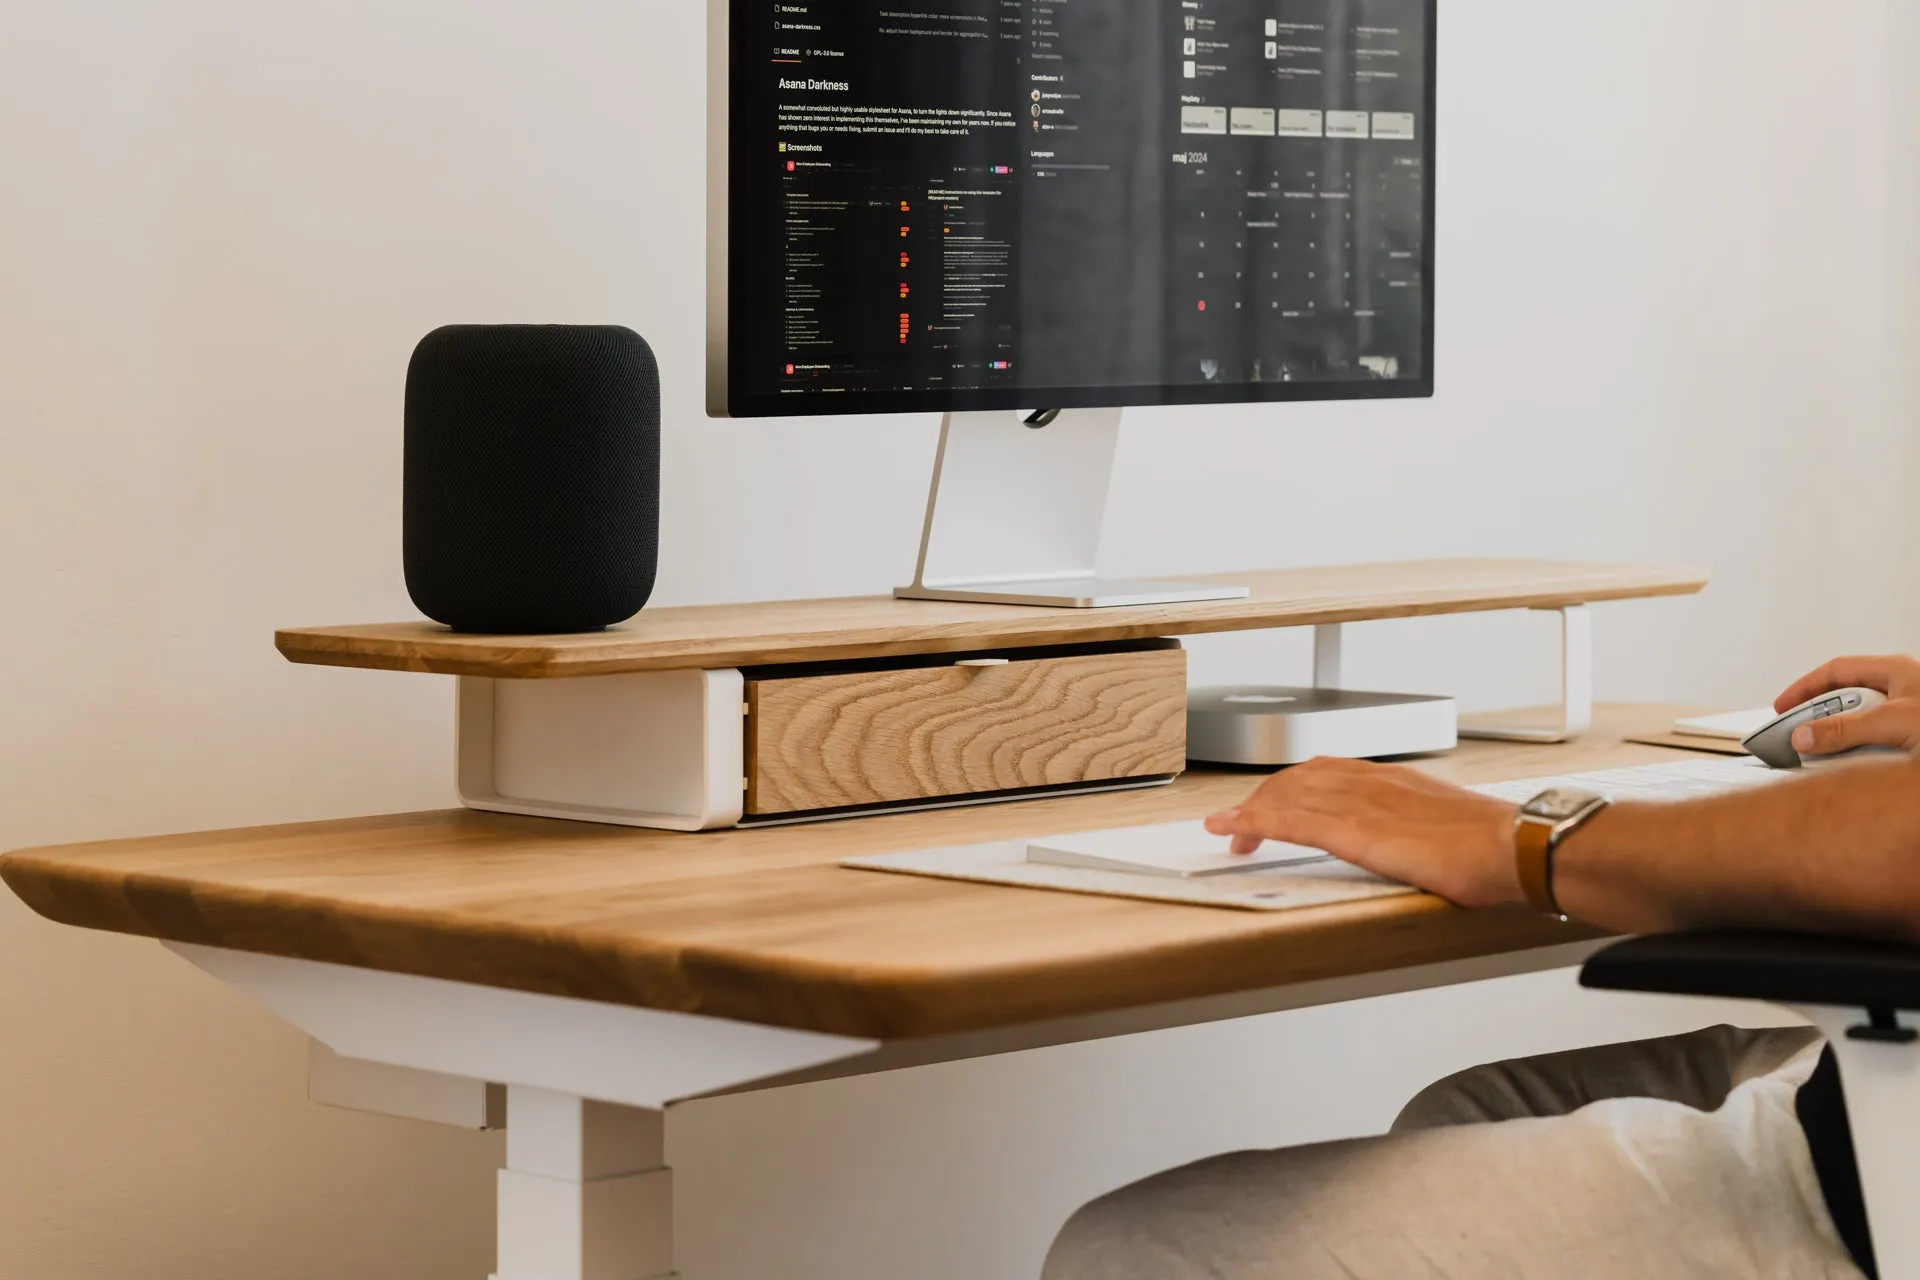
point(1719, 734)
point(1727, 726)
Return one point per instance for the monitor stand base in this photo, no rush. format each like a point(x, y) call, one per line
point(1015, 511)
point(1076, 593)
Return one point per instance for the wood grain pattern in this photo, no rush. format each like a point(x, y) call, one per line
point(877, 737)
point(760, 925)
point(713, 636)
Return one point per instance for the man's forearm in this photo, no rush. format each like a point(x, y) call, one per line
point(1837, 850)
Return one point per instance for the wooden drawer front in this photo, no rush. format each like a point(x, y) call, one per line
point(888, 737)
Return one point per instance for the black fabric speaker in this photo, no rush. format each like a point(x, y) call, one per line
point(532, 500)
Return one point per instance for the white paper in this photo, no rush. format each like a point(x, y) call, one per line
point(1734, 726)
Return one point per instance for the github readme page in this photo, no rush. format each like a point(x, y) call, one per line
point(1037, 194)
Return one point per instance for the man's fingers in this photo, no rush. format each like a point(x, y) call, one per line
point(1313, 804)
point(1884, 726)
point(1232, 822)
point(1841, 673)
point(1251, 826)
point(1311, 785)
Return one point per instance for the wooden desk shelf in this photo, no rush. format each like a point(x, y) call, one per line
point(710, 637)
point(661, 725)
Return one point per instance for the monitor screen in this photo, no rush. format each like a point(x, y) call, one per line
point(988, 204)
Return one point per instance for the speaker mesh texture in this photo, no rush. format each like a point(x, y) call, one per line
point(532, 488)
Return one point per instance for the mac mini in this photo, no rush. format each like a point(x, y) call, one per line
point(1276, 726)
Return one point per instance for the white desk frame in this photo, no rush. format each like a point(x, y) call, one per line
point(587, 1192)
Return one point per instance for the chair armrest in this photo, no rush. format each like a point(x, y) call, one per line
point(1786, 968)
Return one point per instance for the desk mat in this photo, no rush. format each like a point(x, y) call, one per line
point(1005, 863)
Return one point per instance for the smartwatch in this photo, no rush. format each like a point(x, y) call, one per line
point(1544, 822)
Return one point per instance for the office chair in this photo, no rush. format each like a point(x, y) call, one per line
point(1828, 980)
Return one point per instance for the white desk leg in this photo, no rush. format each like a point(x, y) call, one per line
point(586, 1194)
point(1882, 1084)
point(1576, 686)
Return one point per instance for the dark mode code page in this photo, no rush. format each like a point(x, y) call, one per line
point(1032, 194)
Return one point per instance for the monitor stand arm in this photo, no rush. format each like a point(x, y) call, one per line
point(1015, 512)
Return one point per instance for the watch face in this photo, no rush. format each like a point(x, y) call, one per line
point(1558, 804)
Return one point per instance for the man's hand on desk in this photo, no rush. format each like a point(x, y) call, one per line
point(1835, 851)
point(1391, 820)
point(1896, 724)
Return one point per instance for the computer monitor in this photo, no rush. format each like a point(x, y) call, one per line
point(985, 206)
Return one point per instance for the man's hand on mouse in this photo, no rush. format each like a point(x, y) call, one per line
point(1394, 821)
point(1893, 724)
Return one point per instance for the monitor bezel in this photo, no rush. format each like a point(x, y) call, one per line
point(726, 401)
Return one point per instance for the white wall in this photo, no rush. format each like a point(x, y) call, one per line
point(1677, 299)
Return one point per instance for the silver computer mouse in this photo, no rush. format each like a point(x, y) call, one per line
point(1774, 743)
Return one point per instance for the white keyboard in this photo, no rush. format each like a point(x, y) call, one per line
point(1672, 780)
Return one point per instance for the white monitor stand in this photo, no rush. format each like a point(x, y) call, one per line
point(1015, 514)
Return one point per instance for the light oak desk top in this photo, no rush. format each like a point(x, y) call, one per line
point(760, 925)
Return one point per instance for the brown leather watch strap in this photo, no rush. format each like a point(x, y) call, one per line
point(1533, 857)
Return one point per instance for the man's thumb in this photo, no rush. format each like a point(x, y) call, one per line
point(1879, 727)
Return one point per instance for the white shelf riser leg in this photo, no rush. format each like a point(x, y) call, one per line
point(1327, 652)
point(660, 749)
point(1576, 670)
point(1576, 686)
